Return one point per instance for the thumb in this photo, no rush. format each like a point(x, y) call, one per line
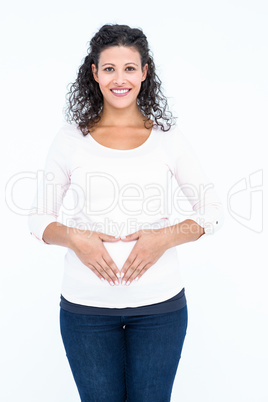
point(106, 237)
point(132, 236)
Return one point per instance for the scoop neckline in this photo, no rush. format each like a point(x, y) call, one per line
point(143, 145)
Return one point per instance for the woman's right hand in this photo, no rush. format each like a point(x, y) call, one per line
point(89, 248)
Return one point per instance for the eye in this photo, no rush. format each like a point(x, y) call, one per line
point(107, 68)
point(132, 68)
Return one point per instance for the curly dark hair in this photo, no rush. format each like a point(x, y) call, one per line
point(85, 100)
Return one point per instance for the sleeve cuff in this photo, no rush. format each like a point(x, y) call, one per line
point(37, 225)
point(212, 221)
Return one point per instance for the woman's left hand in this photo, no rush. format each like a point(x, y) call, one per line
point(150, 245)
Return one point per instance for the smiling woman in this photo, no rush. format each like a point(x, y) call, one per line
point(123, 312)
point(124, 78)
point(123, 61)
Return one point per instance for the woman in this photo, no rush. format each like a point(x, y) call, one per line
point(123, 310)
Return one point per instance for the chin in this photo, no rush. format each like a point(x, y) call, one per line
point(122, 105)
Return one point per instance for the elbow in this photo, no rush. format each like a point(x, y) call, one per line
point(212, 219)
point(36, 226)
point(31, 222)
point(215, 219)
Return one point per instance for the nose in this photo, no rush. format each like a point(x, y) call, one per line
point(119, 78)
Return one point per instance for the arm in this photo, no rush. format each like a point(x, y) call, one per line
point(182, 232)
point(195, 186)
point(58, 234)
point(51, 186)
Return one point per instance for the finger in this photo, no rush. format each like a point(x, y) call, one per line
point(98, 273)
point(132, 272)
point(129, 261)
point(130, 237)
point(138, 273)
point(106, 237)
point(101, 269)
point(110, 262)
point(111, 268)
point(104, 271)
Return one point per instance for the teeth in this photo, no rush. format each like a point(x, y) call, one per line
point(121, 91)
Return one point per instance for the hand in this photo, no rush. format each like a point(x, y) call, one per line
point(148, 249)
point(89, 248)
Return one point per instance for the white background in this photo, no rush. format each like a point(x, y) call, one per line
point(212, 59)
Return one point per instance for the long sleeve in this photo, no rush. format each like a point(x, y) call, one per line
point(52, 184)
point(195, 186)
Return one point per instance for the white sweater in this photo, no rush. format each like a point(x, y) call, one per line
point(118, 192)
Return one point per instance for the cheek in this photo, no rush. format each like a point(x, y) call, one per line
point(137, 80)
point(104, 81)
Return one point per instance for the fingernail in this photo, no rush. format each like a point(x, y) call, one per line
point(128, 282)
point(136, 278)
point(102, 279)
point(122, 274)
point(112, 283)
point(124, 282)
point(116, 237)
point(116, 283)
point(123, 237)
point(118, 275)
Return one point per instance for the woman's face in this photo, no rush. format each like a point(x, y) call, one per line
point(120, 75)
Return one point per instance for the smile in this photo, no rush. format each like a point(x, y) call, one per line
point(120, 92)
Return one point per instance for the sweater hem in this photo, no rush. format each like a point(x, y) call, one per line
point(94, 303)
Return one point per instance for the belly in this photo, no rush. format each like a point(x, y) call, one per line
point(119, 251)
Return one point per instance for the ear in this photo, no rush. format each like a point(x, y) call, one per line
point(144, 74)
point(94, 72)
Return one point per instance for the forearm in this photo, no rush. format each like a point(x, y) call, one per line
point(182, 232)
point(58, 234)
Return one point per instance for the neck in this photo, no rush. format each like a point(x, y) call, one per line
point(126, 117)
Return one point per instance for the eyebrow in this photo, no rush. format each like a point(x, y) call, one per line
point(111, 64)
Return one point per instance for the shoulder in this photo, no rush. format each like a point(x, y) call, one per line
point(69, 130)
point(173, 140)
point(65, 141)
point(67, 135)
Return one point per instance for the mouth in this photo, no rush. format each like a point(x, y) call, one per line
point(120, 92)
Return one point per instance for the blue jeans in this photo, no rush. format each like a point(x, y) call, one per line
point(124, 358)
